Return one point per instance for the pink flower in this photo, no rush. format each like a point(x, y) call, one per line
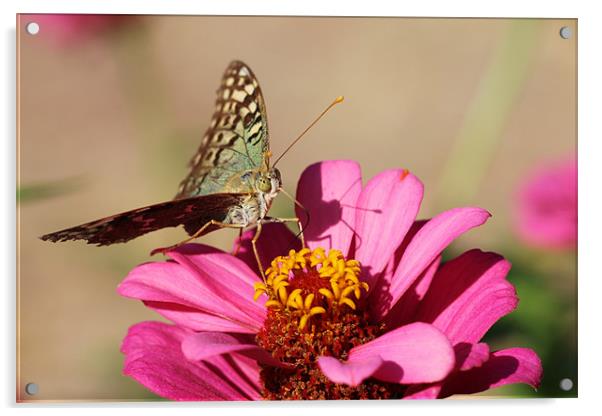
point(546, 209)
point(366, 311)
point(70, 29)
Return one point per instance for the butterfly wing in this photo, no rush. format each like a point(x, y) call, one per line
point(191, 212)
point(236, 142)
point(237, 139)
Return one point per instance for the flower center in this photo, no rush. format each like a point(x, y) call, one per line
point(315, 308)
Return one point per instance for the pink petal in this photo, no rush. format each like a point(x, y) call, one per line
point(206, 345)
point(546, 205)
point(422, 391)
point(200, 255)
point(380, 299)
point(68, 30)
point(275, 240)
point(428, 243)
point(415, 353)
point(468, 295)
point(351, 373)
point(509, 366)
point(386, 209)
point(404, 310)
point(329, 191)
point(470, 355)
point(202, 279)
point(193, 318)
point(154, 359)
point(394, 260)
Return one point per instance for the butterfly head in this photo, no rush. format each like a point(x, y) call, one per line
point(269, 182)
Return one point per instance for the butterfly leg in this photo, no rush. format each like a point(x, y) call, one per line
point(295, 220)
point(196, 235)
point(254, 245)
point(301, 234)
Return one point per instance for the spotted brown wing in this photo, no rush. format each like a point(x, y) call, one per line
point(193, 213)
point(237, 139)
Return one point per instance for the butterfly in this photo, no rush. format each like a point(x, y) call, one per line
point(230, 182)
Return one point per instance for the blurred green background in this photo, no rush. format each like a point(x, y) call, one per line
point(111, 110)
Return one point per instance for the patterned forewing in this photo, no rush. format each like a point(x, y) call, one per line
point(131, 224)
point(236, 140)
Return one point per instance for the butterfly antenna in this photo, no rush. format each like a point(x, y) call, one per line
point(332, 104)
point(299, 204)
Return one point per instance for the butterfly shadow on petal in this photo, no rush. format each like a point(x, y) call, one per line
point(323, 214)
point(403, 310)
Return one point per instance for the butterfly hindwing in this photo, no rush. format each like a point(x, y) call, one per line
point(190, 212)
point(237, 139)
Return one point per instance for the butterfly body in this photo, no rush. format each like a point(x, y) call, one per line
point(252, 207)
point(230, 182)
point(256, 205)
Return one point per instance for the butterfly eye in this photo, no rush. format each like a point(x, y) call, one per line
point(264, 184)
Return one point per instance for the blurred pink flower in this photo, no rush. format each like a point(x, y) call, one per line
point(324, 327)
point(70, 29)
point(546, 209)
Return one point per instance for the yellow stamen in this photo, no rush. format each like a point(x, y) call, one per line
point(348, 302)
point(347, 291)
point(316, 310)
point(273, 303)
point(308, 300)
point(283, 294)
point(286, 290)
point(303, 322)
point(326, 293)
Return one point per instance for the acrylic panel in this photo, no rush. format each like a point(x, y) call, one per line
point(419, 241)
